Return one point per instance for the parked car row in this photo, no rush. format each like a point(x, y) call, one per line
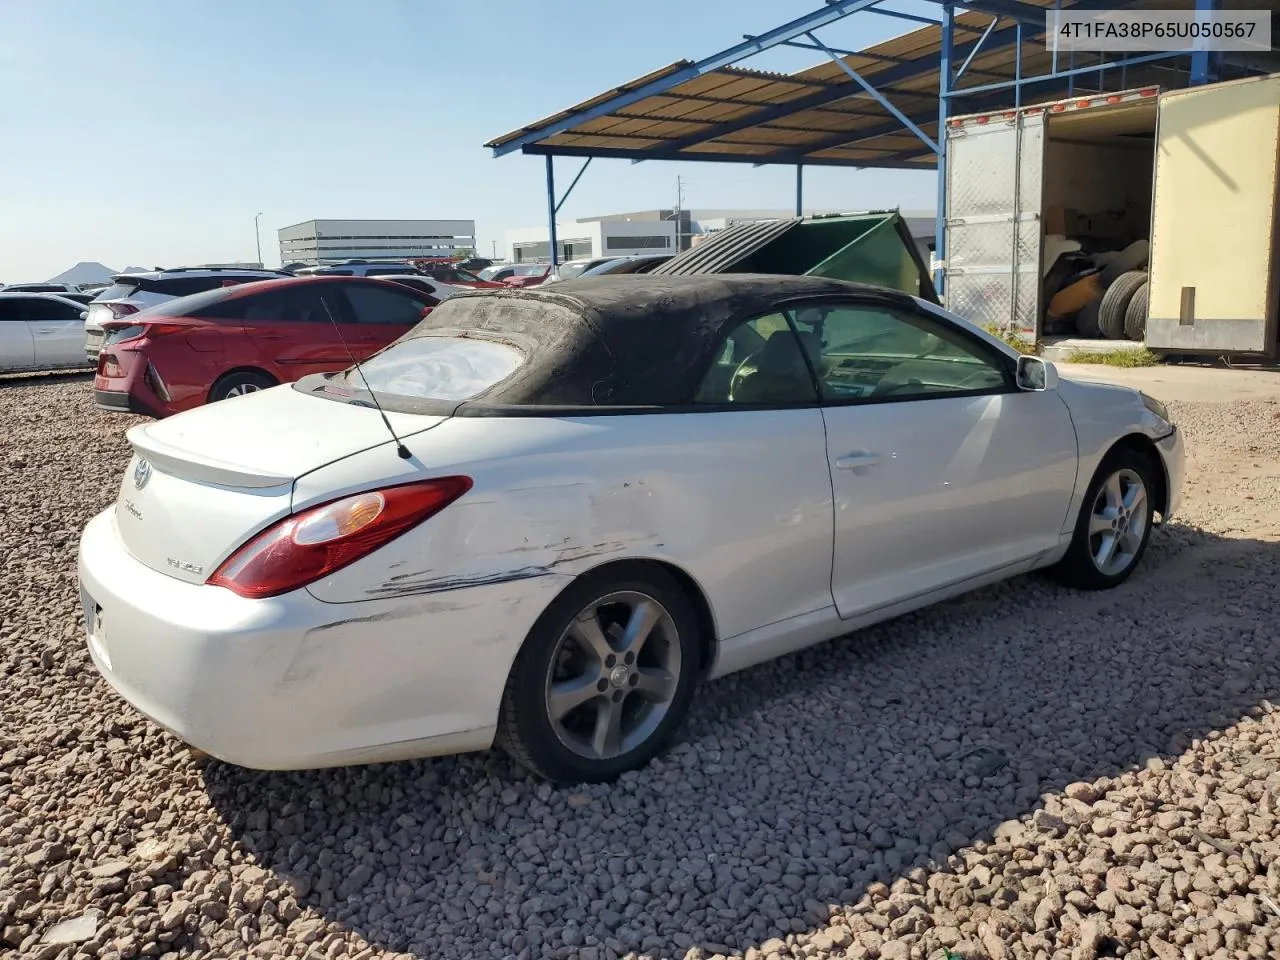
point(241, 338)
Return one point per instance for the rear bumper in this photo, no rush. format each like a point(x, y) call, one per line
point(292, 682)
point(117, 401)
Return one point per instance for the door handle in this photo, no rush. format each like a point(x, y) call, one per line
point(858, 460)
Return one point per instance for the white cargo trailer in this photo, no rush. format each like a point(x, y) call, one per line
point(1192, 171)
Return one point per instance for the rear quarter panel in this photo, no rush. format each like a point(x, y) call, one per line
point(740, 501)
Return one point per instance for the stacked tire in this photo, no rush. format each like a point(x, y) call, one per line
point(1121, 307)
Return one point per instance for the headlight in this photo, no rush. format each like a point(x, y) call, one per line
point(1156, 407)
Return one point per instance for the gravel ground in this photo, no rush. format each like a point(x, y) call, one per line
point(1024, 772)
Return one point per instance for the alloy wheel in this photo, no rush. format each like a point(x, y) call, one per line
point(613, 675)
point(1118, 522)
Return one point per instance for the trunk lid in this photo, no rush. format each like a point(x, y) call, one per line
point(201, 483)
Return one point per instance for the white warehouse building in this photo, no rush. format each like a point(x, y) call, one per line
point(327, 241)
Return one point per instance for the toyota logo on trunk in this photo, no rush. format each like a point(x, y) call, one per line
point(141, 474)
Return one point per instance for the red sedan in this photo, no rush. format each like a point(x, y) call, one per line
point(235, 340)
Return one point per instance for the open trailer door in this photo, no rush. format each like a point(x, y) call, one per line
point(995, 178)
point(1213, 224)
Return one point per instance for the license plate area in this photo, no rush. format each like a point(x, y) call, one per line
point(95, 628)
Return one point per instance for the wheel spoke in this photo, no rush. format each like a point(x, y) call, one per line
point(655, 685)
point(1136, 498)
point(1107, 549)
point(586, 630)
point(567, 695)
point(1115, 497)
point(1100, 523)
point(644, 617)
point(1129, 541)
point(607, 739)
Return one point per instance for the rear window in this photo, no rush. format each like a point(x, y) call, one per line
point(120, 290)
point(186, 286)
point(190, 306)
point(436, 368)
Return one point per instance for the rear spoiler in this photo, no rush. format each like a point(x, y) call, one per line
point(186, 463)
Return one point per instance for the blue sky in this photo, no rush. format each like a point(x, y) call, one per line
point(151, 131)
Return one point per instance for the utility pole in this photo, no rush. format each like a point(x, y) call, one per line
point(679, 214)
point(257, 236)
point(495, 248)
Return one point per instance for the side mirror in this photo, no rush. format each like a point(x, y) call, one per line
point(1036, 374)
point(84, 314)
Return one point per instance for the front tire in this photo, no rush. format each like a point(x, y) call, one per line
point(1114, 525)
point(604, 679)
point(240, 383)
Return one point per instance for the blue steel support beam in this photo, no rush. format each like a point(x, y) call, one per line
point(790, 158)
point(551, 211)
point(944, 96)
point(1206, 67)
point(581, 171)
point(877, 95)
point(1017, 69)
point(832, 11)
point(976, 47)
point(905, 16)
point(1063, 74)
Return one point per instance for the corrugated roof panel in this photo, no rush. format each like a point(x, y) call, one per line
point(726, 248)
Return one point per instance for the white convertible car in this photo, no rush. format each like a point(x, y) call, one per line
point(577, 503)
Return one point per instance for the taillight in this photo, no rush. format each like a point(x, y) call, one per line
point(123, 332)
point(122, 309)
point(306, 546)
point(108, 366)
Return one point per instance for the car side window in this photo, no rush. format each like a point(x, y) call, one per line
point(385, 306)
point(296, 305)
point(877, 351)
point(760, 362)
point(9, 311)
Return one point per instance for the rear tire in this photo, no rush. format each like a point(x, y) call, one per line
point(1114, 524)
point(604, 678)
point(239, 383)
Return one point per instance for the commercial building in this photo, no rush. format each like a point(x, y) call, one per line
point(658, 231)
point(327, 241)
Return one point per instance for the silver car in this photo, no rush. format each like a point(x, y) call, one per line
point(40, 331)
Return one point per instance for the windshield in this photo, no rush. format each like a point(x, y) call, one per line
point(570, 270)
point(435, 368)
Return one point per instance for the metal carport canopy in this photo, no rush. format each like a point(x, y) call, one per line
point(710, 110)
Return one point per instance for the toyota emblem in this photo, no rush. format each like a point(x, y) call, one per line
point(141, 474)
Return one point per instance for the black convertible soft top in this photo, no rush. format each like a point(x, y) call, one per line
point(629, 341)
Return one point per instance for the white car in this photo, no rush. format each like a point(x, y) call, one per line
point(131, 293)
point(583, 503)
point(572, 269)
point(40, 331)
point(42, 288)
point(433, 288)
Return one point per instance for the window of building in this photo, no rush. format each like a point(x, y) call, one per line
point(638, 243)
